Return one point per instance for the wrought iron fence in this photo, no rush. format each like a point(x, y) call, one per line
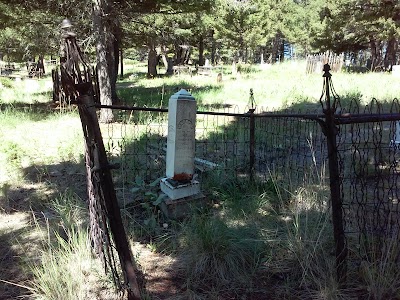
point(369, 178)
point(346, 151)
point(274, 146)
point(315, 63)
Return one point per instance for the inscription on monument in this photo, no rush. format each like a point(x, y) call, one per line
point(181, 135)
point(179, 182)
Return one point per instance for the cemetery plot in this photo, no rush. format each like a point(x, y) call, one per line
point(291, 152)
point(182, 70)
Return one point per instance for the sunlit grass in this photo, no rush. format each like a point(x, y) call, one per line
point(274, 87)
point(67, 269)
point(241, 235)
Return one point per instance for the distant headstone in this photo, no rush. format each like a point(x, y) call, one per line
point(219, 78)
point(207, 63)
point(396, 70)
point(396, 139)
point(179, 181)
point(234, 69)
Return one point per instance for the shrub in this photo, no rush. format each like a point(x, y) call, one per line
point(6, 82)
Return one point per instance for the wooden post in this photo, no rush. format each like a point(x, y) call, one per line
point(94, 142)
point(105, 218)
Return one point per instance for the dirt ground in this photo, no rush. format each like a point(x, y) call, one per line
point(14, 241)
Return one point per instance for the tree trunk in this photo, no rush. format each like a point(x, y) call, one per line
point(165, 62)
point(187, 56)
point(101, 32)
point(201, 51)
point(113, 44)
point(282, 50)
point(275, 47)
point(152, 63)
point(376, 54)
point(262, 55)
point(241, 51)
point(40, 65)
point(390, 55)
point(121, 61)
point(213, 49)
point(113, 61)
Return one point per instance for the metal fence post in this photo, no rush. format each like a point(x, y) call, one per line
point(252, 135)
point(331, 132)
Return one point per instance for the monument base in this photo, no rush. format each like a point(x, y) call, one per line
point(176, 190)
point(180, 208)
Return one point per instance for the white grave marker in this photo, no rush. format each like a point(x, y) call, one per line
point(396, 70)
point(180, 182)
point(396, 141)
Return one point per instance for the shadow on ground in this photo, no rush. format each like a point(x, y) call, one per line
point(15, 244)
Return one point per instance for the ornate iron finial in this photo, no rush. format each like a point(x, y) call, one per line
point(66, 23)
point(326, 70)
point(251, 100)
point(66, 29)
point(329, 99)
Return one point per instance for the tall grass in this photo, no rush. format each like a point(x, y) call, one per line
point(219, 256)
point(63, 269)
point(66, 269)
point(379, 269)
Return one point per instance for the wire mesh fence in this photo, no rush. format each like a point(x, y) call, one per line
point(288, 147)
point(315, 63)
point(369, 167)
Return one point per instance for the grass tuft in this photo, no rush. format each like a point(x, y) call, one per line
point(219, 256)
point(66, 269)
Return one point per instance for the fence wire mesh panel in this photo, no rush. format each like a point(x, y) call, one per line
point(222, 143)
point(369, 166)
point(137, 142)
point(291, 151)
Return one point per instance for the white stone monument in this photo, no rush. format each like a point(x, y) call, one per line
point(396, 139)
point(180, 182)
point(396, 70)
